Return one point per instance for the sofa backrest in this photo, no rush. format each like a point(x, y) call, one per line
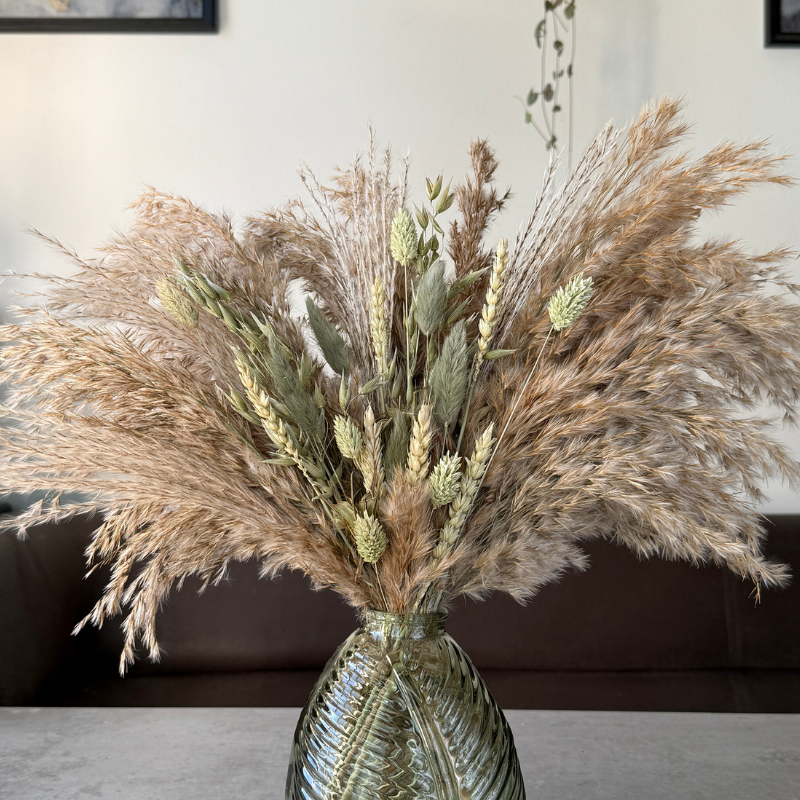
point(622, 614)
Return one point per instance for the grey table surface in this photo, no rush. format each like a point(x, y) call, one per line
point(242, 753)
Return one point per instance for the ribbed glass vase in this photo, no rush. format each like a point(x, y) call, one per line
point(400, 712)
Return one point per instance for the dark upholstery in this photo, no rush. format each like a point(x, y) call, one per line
point(625, 635)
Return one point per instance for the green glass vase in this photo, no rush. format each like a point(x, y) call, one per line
point(400, 712)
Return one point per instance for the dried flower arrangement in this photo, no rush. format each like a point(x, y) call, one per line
point(426, 430)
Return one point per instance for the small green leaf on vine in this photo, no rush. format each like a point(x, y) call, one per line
point(541, 29)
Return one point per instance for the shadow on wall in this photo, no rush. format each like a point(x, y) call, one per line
point(630, 44)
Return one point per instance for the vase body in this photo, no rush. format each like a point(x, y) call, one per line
point(400, 712)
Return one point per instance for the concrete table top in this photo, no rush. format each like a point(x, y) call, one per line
point(242, 753)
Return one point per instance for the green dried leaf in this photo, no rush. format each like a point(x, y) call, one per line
point(532, 97)
point(465, 282)
point(370, 386)
point(397, 446)
point(304, 371)
point(344, 392)
point(430, 300)
point(445, 201)
point(448, 377)
point(280, 462)
point(433, 188)
point(298, 402)
point(491, 355)
point(454, 312)
point(569, 10)
point(335, 349)
point(558, 46)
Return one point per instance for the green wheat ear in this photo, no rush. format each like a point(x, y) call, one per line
point(403, 238)
point(569, 301)
point(370, 537)
point(445, 480)
point(176, 303)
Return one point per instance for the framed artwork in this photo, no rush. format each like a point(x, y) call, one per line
point(782, 26)
point(117, 16)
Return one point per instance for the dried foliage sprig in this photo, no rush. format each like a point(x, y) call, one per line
point(171, 385)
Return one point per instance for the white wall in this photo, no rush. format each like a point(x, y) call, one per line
point(87, 120)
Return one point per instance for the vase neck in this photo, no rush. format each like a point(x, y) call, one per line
point(382, 625)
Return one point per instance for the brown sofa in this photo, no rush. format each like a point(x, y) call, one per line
point(625, 635)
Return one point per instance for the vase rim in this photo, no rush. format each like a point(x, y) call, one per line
point(377, 613)
point(404, 625)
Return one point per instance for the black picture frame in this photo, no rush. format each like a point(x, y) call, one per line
point(208, 23)
point(774, 34)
